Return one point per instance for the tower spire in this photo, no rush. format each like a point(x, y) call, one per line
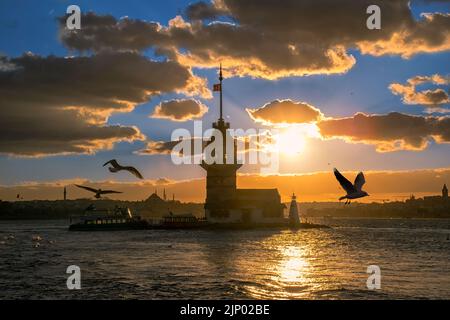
point(221, 89)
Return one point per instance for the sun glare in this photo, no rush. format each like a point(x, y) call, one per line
point(291, 140)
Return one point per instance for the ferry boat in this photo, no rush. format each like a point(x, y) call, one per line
point(104, 220)
point(122, 219)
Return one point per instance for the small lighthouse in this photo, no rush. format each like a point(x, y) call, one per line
point(293, 211)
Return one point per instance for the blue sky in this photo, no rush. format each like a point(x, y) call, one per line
point(31, 26)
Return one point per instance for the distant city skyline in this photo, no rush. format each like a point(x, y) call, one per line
point(320, 186)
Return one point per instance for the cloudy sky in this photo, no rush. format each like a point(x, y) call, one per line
point(342, 95)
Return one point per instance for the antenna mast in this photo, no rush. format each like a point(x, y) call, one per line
point(221, 89)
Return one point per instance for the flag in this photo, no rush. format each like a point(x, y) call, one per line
point(217, 87)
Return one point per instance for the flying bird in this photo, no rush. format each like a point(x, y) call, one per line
point(98, 192)
point(354, 191)
point(116, 167)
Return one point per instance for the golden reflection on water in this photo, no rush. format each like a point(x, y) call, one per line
point(284, 274)
point(292, 268)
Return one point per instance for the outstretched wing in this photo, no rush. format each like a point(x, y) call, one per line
point(113, 162)
point(345, 184)
point(87, 188)
point(134, 171)
point(109, 191)
point(359, 181)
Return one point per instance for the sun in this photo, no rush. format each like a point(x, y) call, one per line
point(291, 140)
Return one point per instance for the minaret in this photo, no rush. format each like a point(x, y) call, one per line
point(293, 211)
point(65, 194)
point(445, 192)
point(164, 194)
point(221, 177)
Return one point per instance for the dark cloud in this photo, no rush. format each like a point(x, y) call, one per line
point(159, 147)
point(432, 98)
point(203, 10)
point(56, 105)
point(106, 32)
point(390, 132)
point(270, 39)
point(285, 111)
point(165, 147)
point(428, 35)
point(180, 110)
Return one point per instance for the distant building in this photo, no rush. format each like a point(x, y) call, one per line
point(154, 199)
point(439, 199)
point(65, 193)
point(227, 204)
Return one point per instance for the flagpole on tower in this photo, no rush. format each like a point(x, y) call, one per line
point(221, 78)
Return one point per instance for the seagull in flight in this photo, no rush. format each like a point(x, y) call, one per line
point(354, 191)
point(98, 192)
point(116, 167)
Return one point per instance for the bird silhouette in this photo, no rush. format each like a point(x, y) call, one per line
point(354, 191)
point(116, 167)
point(98, 192)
